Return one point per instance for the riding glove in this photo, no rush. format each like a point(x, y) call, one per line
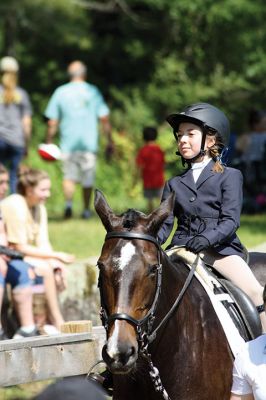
point(197, 244)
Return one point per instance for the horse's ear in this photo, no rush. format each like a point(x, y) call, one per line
point(158, 216)
point(104, 211)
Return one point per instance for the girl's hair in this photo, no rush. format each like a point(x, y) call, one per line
point(215, 152)
point(9, 82)
point(29, 177)
point(3, 169)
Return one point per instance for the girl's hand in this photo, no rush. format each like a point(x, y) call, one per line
point(65, 257)
point(60, 279)
point(60, 274)
point(197, 244)
point(5, 258)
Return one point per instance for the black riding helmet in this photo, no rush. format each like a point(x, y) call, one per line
point(209, 118)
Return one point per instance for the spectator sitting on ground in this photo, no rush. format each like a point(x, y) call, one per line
point(25, 217)
point(76, 108)
point(15, 119)
point(19, 275)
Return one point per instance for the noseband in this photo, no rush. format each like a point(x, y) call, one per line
point(143, 326)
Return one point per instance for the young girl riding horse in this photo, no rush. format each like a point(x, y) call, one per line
point(208, 198)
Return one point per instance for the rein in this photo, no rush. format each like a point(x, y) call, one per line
point(177, 301)
point(145, 337)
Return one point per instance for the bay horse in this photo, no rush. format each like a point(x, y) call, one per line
point(183, 357)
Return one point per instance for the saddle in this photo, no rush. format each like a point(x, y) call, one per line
point(238, 305)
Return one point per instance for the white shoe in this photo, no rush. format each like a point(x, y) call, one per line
point(20, 333)
point(50, 330)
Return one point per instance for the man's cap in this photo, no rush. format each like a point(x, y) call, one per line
point(9, 64)
point(49, 152)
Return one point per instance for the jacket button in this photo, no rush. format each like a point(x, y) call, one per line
point(192, 198)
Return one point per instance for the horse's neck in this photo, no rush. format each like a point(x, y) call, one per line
point(194, 304)
point(174, 277)
point(190, 345)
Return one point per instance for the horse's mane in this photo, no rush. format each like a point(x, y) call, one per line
point(130, 218)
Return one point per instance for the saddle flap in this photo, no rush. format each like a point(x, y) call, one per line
point(238, 305)
point(246, 308)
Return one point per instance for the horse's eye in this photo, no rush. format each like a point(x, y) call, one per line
point(152, 269)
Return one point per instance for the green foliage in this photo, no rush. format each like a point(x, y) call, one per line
point(149, 58)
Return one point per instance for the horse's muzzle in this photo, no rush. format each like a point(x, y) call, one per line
point(122, 361)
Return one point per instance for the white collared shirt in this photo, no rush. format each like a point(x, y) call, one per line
point(198, 167)
point(250, 369)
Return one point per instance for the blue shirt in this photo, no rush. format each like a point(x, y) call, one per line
point(77, 106)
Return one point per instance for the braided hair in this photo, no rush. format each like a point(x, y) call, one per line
point(215, 153)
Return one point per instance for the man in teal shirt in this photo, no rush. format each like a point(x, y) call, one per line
point(76, 109)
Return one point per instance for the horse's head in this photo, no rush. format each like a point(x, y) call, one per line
point(129, 279)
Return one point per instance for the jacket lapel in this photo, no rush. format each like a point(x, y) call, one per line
point(188, 180)
point(205, 174)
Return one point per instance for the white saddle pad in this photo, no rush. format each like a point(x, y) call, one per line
point(209, 283)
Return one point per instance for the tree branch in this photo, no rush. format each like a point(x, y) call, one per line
point(109, 7)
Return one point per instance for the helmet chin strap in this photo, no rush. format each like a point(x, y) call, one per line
point(201, 153)
point(189, 161)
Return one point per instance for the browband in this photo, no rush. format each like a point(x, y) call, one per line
point(132, 235)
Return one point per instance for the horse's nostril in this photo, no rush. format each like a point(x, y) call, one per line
point(132, 351)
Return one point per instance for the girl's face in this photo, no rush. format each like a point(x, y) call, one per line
point(39, 193)
point(189, 140)
point(4, 182)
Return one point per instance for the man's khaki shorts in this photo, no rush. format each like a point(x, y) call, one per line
point(79, 166)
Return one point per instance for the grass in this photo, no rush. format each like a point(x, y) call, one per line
point(84, 238)
point(252, 231)
point(23, 392)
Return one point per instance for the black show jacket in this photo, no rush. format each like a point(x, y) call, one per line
point(210, 207)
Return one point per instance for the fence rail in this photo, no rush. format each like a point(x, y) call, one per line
point(46, 357)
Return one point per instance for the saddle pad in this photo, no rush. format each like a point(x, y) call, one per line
point(209, 282)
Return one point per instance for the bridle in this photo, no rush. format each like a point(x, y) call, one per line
point(144, 326)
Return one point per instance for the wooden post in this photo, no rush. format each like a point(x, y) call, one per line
point(76, 327)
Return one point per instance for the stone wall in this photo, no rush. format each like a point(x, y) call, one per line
point(81, 298)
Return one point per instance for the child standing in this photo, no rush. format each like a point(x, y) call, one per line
point(150, 160)
point(208, 198)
